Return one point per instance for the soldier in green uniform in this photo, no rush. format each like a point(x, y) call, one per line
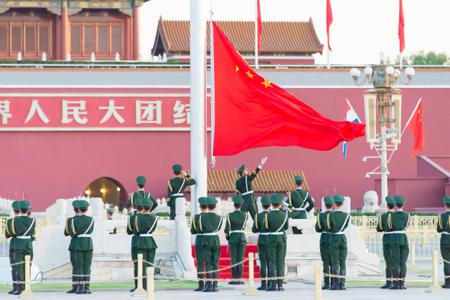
point(235, 235)
point(323, 226)
point(176, 187)
point(23, 229)
point(244, 188)
point(67, 231)
point(276, 225)
point(385, 226)
point(400, 248)
point(10, 233)
point(195, 229)
point(443, 227)
point(259, 226)
point(141, 193)
point(299, 202)
point(338, 221)
point(82, 228)
point(209, 225)
point(145, 224)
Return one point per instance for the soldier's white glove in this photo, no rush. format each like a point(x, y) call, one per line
point(263, 161)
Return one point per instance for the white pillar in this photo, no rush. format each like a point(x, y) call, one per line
point(384, 167)
point(198, 98)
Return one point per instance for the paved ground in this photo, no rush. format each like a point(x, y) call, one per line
point(294, 291)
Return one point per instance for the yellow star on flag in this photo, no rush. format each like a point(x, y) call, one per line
point(250, 74)
point(266, 83)
point(236, 69)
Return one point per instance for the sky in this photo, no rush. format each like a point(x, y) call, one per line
point(361, 30)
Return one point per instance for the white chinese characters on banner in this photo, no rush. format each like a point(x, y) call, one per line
point(74, 111)
point(148, 112)
point(35, 108)
point(112, 111)
point(4, 111)
point(181, 113)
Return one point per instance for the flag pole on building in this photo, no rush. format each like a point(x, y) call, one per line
point(329, 22)
point(198, 100)
point(258, 28)
point(401, 32)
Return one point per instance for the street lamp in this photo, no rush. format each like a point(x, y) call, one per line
point(383, 112)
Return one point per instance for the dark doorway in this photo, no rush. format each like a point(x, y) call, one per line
point(109, 189)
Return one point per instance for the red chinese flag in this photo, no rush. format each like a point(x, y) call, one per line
point(416, 128)
point(252, 112)
point(259, 25)
point(329, 22)
point(401, 27)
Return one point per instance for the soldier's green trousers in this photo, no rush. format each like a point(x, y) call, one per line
point(250, 205)
point(338, 254)
point(237, 252)
point(134, 259)
point(387, 253)
point(200, 262)
point(13, 268)
point(445, 252)
point(263, 260)
point(19, 256)
point(325, 255)
point(83, 262)
point(277, 258)
point(400, 257)
point(148, 256)
point(211, 255)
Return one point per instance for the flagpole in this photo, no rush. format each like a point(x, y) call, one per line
point(197, 101)
point(256, 35)
point(411, 116)
point(212, 83)
point(328, 59)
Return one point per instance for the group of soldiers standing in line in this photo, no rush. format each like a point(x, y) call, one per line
point(270, 224)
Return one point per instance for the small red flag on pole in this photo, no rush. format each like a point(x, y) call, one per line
point(401, 27)
point(415, 126)
point(329, 22)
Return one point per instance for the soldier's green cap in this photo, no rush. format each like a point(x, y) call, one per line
point(298, 179)
point(241, 169)
point(75, 203)
point(24, 204)
point(238, 199)
point(390, 200)
point(399, 200)
point(141, 180)
point(110, 211)
point(203, 200)
point(265, 200)
point(212, 201)
point(177, 168)
point(276, 198)
point(447, 199)
point(328, 200)
point(138, 202)
point(16, 205)
point(146, 202)
point(338, 199)
point(82, 204)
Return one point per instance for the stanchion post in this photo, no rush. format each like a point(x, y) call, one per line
point(435, 287)
point(251, 289)
point(27, 292)
point(139, 292)
point(150, 283)
point(318, 282)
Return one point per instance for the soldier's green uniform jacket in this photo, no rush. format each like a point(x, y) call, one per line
point(209, 224)
point(400, 222)
point(10, 232)
point(245, 189)
point(177, 185)
point(385, 225)
point(235, 226)
point(339, 221)
point(259, 226)
point(23, 229)
point(82, 227)
point(443, 227)
point(131, 230)
point(195, 226)
point(145, 225)
point(300, 202)
point(141, 194)
point(67, 232)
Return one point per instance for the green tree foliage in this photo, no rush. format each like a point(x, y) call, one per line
point(421, 58)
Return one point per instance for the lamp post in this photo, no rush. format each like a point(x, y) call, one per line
point(383, 112)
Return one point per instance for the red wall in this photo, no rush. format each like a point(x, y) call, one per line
point(50, 165)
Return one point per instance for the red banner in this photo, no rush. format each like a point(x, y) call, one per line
point(113, 113)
